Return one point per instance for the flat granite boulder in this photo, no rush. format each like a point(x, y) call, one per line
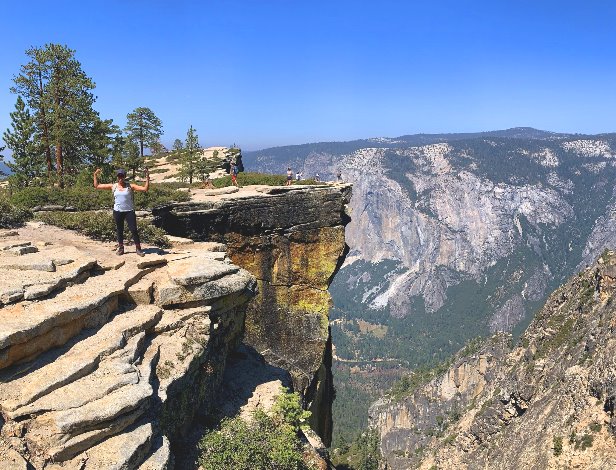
point(194, 271)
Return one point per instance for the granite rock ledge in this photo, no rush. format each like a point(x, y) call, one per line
point(104, 359)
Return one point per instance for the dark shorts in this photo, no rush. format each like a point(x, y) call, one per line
point(289, 178)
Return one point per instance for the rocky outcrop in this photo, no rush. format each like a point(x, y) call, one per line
point(546, 403)
point(103, 359)
point(292, 240)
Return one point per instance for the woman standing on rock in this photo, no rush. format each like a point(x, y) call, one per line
point(123, 206)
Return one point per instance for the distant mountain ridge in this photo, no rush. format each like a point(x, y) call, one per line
point(295, 153)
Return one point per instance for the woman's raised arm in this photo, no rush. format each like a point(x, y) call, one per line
point(96, 183)
point(146, 186)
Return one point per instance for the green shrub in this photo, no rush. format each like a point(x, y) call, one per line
point(557, 445)
point(159, 194)
point(267, 441)
point(363, 453)
point(79, 197)
point(450, 439)
point(584, 442)
point(11, 216)
point(595, 426)
point(101, 226)
point(87, 198)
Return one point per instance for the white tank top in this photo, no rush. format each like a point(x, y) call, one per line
point(122, 199)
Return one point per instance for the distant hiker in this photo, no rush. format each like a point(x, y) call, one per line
point(317, 178)
point(339, 176)
point(297, 176)
point(289, 176)
point(123, 206)
point(234, 171)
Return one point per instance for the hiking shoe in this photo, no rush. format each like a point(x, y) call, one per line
point(120, 251)
point(140, 253)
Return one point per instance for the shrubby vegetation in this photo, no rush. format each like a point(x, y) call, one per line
point(85, 198)
point(362, 454)
point(11, 216)
point(101, 226)
point(265, 442)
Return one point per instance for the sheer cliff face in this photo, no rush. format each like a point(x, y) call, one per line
point(293, 241)
point(453, 225)
point(546, 403)
point(508, 216)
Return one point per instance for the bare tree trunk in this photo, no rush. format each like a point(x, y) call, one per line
point(45, 129)
point(60, 163)
point(141, 140)
point(59, 156)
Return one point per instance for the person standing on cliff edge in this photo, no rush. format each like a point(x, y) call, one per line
point(234, 171)
point(289, 176)
point(124, 206)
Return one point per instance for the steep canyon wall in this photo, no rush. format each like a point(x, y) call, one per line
point(292, 240)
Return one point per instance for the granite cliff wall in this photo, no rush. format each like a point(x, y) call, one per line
point(548, 402)
point(292, 240)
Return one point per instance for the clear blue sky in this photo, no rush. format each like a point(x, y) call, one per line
point(262, 73)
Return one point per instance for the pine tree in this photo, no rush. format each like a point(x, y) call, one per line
point(131, 156)
point(30, 83)
point(143, 127)
point(205, 166)
point(100, 142)
point(28, 161)
point(59, 93)
point(176, 151)
point(157, 149)
point(117, 149)
point(190, 156)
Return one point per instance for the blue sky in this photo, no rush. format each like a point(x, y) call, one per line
point(265, 73)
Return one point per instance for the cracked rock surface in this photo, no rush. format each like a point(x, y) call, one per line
point(104, 359)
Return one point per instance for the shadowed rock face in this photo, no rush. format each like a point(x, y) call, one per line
point(292, 241)
point(546, 403)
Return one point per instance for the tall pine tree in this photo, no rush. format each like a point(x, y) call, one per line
point(190, 156)
point(143, 127)
point(131, 156)
point(100, 142)
point(28, 159)
point(58, 91)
